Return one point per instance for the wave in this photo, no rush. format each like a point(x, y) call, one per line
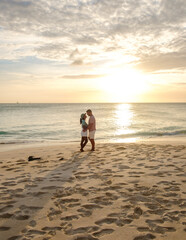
point(21, 141)
point(33, 142)
point(153, 134)
point(3, 133)
point(13, 132)
point(11, 142)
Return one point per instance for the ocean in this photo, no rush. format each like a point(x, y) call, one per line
point(59, 123)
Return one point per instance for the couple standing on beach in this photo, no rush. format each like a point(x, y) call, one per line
point(91, 127)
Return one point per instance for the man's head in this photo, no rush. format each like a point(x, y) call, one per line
point(89, 112)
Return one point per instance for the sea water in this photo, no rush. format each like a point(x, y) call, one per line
point(116, 122)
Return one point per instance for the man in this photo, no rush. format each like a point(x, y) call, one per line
point(91, 128)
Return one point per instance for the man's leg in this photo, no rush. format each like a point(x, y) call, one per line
point(93, 144)
point(91, 138)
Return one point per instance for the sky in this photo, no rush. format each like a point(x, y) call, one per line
point(92, 51)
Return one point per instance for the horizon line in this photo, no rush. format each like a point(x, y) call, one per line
point(81, 102)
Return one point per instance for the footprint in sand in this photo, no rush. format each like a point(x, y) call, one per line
point(103, 232)
point(31, 208)
point(152, 223)
point(21, 162)
point(32, 223)
point(70, 217)
point(113, 215)
point(183, 205)
point(30, 185)
point(38, 194)
point(35, 232)
point(10, 183)
point(72, 205)
point(122, 221)
point(171, 194)
point(6, 215)
point(48, 188)
point(69, 200)
point(53, 213)
point(84, 213)
point(137, 213)
point(145, 237)
point(108, 220)
point(14, 237)
point(162, 230)
point(81, 230)
point(143, 229)
point(51, 228)
point(4, 228)
point(11, 169)
point(91, 206)
point(6, 208)
point(85, 237)
point(22, 217)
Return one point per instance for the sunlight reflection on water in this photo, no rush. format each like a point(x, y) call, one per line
point(123, 120)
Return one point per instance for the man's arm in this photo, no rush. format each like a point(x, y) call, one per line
point(90, 126)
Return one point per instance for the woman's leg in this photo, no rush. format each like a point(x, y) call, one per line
point(85, 141)
point(81, 144)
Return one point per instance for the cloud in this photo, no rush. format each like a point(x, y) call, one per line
point(83, 76)
point(167, 61)
point(79, 32)
point(52, 51)
point(180, 84)
point(77, 62)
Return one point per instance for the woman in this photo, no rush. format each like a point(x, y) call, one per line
point(84, 125)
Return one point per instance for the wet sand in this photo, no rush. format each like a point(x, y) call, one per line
point(120, 191)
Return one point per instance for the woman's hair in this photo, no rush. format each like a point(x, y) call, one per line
point(82, 117)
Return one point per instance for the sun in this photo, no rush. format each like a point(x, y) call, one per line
point(124, 85)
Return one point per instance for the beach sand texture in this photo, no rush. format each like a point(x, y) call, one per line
point(120, 191)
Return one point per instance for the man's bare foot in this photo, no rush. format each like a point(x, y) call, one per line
point(92, 149)
point(81, 150)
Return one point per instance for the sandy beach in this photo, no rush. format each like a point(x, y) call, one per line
point(121, 191)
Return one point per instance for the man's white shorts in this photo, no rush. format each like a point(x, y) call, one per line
point(92, 134)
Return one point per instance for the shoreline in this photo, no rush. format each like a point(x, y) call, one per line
point(180, 140)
